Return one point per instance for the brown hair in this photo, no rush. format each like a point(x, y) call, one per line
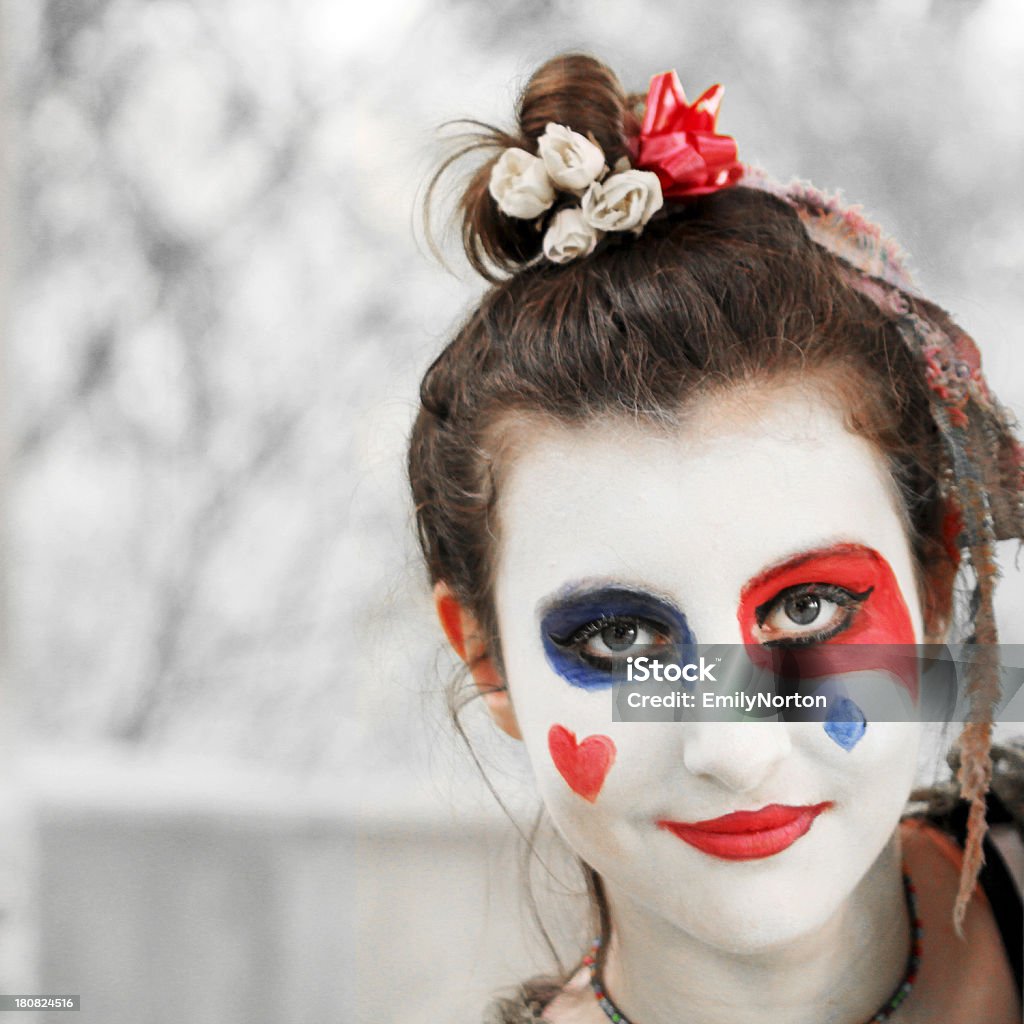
point(726, 289)
point(729, 288)
point(571, 90)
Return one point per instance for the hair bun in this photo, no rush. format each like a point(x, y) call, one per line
point(574, 90)
point(581, 93)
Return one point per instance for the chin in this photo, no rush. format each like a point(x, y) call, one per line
point(755, 908)
point(760, 906)
point(745, 930)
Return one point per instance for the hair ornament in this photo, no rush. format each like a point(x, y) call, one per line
point(676, 155)
point(520, 184)
point(844, 230)
point(569, 236)
point(678, 141)
point(573, 162)
point(568, 163)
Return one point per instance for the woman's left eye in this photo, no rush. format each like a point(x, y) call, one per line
point(607, 642)
point(808, 613)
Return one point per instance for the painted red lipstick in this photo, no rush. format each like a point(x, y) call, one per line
point(747, 835)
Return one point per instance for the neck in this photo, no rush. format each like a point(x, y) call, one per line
point(849, 967)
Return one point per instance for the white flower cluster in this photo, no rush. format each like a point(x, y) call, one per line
point(525, 186)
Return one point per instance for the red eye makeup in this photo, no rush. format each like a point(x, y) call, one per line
point(822, 608)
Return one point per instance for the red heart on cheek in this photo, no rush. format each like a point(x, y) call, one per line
point(584, 766)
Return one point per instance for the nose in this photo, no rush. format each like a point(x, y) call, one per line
point(738, 755)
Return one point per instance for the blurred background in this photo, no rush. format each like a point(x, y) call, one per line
point(233, 793)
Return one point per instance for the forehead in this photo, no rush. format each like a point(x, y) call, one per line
point(750, 478)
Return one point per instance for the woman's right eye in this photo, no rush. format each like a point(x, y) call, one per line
point(607, 642)
point(589, 635)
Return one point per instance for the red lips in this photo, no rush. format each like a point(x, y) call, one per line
point(747, 835)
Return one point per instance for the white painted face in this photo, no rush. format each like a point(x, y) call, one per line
point(614, 534)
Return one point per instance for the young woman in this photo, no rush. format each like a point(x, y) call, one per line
point(696, 408)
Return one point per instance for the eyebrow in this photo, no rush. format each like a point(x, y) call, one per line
point(594, 588)
point(606, 586)
point(836, 550)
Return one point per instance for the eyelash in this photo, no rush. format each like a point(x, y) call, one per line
point(577, 640)
point(847, 600)
point(574, 643)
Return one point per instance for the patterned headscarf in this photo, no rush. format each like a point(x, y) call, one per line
point(983, 478)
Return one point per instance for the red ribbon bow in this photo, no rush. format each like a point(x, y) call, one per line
point(679, 144)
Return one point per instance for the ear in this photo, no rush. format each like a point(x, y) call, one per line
point(468, 642)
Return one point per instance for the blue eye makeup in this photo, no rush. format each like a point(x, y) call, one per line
point(589, 633)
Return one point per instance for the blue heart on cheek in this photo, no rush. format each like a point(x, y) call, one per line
point(845, 723)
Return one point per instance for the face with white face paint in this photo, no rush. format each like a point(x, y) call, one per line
point(760, 520)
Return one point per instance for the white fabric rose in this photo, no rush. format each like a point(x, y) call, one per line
point(520, 184)
point(623, 201)
point(569, 236)
point(572, 160)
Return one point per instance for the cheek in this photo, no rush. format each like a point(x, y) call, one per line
point(583, 764)
point(876, 771)
point(565, 729)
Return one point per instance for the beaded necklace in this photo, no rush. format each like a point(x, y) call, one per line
point(613, 1013)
